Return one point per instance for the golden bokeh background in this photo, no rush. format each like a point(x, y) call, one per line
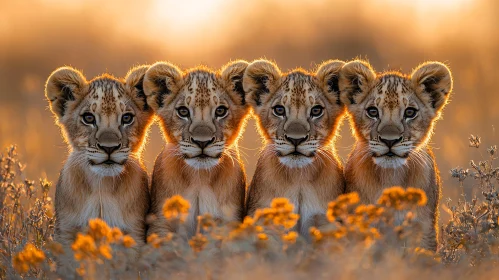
point(38, 36)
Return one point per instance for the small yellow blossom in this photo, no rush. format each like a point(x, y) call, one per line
point(262, 236)
point(128, 241)
point(114, 235)
point(157, 241)
point(81, 271)
point(245, 229)
point(340, 206)
point(280, 214)
point(154, 240)
point(349, 198)
point(399, 199)
point(290, 237)
point(176, 207)
point(206, 222)
point(370, 212)
point(282, 204)
point(316, 234)
point(339, 233)
point(19, 263)
point(266, 215)
point(198, 242)
point(98, 229)
point(105, 251)
point(84, 247)
point(30, 256)
point(416, 196)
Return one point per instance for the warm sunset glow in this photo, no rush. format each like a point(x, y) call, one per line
point(186, 15)
point(432, 4)
point(447, 3)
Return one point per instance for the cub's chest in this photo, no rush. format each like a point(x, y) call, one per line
point(203, 200)
point(306, 202)
point(103, 206)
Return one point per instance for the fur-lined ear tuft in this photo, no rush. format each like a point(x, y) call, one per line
point(64, 85)
point(232, 75)
point(161, 82)
point(328, 75)
point(261, 78)
point(134, 81)
point(433, 83)
point(356, 78)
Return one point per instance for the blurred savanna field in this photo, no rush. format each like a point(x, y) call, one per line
point(38, 36)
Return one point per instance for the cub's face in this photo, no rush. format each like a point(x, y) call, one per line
point(393, 113)
point(103, 120)
point(201, 111)
point(297, 111)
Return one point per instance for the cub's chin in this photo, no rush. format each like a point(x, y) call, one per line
point(107, 170)
point(205, 162)
point(295, 161)
point(390, 162)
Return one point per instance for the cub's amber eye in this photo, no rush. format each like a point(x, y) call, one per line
point(410, 113)
point(88, 118)
point(372, 112)
point(316, 111)
point(183, 112)
point(221, 111)
point(127, 118)
point(279, 110)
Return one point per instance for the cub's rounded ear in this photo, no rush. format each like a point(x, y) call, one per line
point(260, 79)
point(161, 82)
point(232, 75)
point(356, 78)
point(134, 82)
point(433, 83)
point(328, 75)
point(64, 85)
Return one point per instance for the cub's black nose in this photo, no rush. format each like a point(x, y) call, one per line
point(203, 144)
point(390, 143)
point(296, 141)
point(109, 150)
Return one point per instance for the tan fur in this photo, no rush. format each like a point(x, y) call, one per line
point(368, 170)
point(211, 179)
point(315, 177)
point(83, 192)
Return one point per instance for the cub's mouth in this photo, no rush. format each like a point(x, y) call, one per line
point(108, 162)
point(391, 154)
point(390, 160)
point(296, 159)
point(204, 156)
point(203, 161)
point(107, 168)
point(295, 154)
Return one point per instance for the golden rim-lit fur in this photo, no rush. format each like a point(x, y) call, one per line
point(298, 161)
point(88, 188)
point(392, 116)
point(200, 160)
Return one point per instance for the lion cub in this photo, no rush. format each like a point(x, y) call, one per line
point(104, 122)
point(392, 116)
point(201, 113)
point(298, 113)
